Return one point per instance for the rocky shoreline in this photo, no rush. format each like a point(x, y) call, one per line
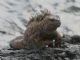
point(69, 51)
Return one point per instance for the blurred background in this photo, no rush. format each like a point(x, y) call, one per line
point(14, 15)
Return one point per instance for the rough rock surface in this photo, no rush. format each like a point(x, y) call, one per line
point(68, 51)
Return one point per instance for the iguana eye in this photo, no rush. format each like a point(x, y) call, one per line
point(52, 19)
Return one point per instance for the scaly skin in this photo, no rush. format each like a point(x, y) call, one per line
point(39, 33)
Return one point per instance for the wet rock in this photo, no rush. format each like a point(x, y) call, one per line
point(75, 39)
